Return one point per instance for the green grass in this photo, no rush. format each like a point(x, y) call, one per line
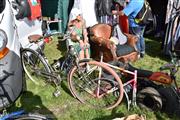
point(40, 99)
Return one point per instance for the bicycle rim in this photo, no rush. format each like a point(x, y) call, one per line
point(35, 66)
point(30, 117)
point(89, 85)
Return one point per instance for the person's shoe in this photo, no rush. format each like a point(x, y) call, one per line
point(141, 55)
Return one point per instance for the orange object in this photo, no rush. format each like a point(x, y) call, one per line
point(4, 52)
point(35, 7)
point(161, 77)
point(124, 24)
point(123, 20)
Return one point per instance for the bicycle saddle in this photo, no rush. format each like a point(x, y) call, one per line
point(34, 38)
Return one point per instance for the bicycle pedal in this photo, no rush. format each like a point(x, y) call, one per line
point(57, 80)
point(116, 93)
point(57, 93)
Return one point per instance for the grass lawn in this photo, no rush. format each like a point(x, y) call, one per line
point(40, 98)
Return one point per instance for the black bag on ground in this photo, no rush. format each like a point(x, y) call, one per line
point(145, 15)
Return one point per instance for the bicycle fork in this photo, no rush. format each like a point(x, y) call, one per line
point(56, 80)
point(133, 85)
point(134, 89)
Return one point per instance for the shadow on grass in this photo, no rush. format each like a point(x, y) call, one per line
point(114, 114)
point(170, 117)
point(32, 103)
point(153, 49)
point(65, 88)
point(61, 46)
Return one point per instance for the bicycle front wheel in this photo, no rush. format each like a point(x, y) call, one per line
point(30, 117)
point(35, 67)
point(95, 84)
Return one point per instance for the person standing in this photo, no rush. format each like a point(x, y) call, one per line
point(63, 14)
point(131, 10)
point(87, 7)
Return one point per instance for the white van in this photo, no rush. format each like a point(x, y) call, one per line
point(13, 36)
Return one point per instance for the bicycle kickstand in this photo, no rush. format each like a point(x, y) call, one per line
point(57, 92)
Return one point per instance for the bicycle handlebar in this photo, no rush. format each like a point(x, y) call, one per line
point(173, 65)
point(64, 36)
point(51, 34)
point(68, 34)
point(167, 66)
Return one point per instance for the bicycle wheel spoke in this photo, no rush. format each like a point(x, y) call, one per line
point(90, 86)
point(35, 67)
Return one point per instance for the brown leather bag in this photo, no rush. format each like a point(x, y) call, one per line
point(100, 43)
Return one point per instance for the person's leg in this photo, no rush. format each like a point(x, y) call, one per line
point(63, 14)
point(142, 42)
point(81, 53)
point(87, 50)
point(139, 31)
point(135, 31)
point(87, 53)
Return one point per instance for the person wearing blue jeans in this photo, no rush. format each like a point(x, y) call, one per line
point(139, 31)
point(131, 10)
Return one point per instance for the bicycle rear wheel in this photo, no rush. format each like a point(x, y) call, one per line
point(30, 117)
point(90, 84)
point(35, 66)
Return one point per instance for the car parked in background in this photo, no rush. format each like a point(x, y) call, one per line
point(13, 35)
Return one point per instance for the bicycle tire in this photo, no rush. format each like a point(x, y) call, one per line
point(34, 64)
point(30, 116)
point(150, 99)
point(171, 104)
point(108, 88)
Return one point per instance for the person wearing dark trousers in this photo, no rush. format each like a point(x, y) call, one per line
point(63, 14)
